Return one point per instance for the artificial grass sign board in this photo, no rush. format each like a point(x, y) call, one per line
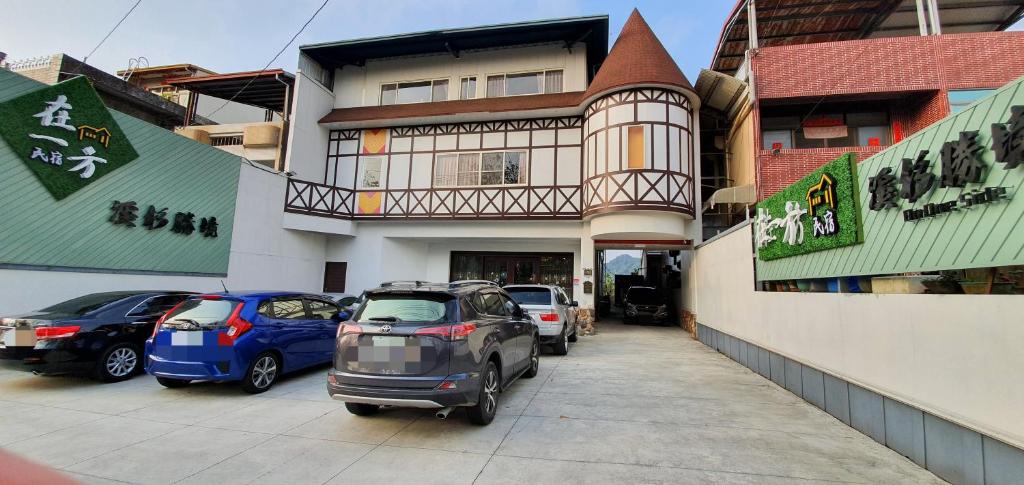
point(65, 135)
point(818, 212)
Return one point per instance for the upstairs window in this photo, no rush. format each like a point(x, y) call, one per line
point(480, 169)
point(826, 130)
point(414, 92)
point(371, 170)
point(468, 88)
point(523, 83)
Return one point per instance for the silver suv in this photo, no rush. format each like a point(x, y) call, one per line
point(551, 310)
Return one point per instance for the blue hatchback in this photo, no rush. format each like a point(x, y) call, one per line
point(251, 337)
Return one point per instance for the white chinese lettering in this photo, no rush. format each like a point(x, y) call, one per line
point(87, 163)
point(794, 234)
point(56, 113)
point(56, 140)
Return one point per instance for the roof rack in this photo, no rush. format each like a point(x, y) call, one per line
point(458, 283)
point(387, 284)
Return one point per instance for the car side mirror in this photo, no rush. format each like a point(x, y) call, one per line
point(341, 316)
point(574, 303)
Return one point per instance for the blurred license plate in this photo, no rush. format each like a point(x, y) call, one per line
point(388, 341)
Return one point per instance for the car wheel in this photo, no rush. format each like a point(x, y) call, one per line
point(561, 346)
point(487, 402)
point(172, 383)
point(262, 373)
point(360, 409)
point(531, 372)
point(117, 363)
point(575, 333)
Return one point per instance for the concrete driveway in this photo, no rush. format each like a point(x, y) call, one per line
point(630, 405)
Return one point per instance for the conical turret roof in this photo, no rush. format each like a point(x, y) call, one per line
point(637, 58)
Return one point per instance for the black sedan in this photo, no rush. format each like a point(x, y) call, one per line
point(101, 334)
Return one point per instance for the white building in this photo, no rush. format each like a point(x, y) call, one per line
point(510, 152)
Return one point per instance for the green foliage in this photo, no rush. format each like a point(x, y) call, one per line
point(844, 171)
point(17, 122)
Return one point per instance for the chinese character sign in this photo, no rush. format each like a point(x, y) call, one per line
point(65, 135)
point(820, 211)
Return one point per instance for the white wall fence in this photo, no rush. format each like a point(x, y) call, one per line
point(949, 364)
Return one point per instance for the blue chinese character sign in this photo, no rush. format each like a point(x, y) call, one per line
point(820, 211)
point(65, 135)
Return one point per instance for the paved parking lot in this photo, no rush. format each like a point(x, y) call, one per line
point(631, 405)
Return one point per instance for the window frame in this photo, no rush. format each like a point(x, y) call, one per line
point(643, 148)
point(397, 85)
point(381, 170)
point(524, 169)
point(470, 95)
point(504, 83)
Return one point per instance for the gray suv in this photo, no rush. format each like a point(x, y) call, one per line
point(433, 345)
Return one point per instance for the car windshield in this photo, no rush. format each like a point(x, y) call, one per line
point(202, 312)
point(85, 304)
point(530, 296)
point(644, 296)
point(406, 308)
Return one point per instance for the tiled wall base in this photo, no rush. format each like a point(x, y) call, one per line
point(954, 453)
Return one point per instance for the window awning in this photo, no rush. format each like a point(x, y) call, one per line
point(741, 194)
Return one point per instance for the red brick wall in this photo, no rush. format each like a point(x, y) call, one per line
point(924, 68)
point(775, 172)
point(898, 64)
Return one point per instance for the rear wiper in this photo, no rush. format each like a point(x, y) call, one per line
point(385, 319)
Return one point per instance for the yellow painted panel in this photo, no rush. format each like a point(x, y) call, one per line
point(369, 202)
point(374, 140)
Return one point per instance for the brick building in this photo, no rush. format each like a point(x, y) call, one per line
point(794, 84)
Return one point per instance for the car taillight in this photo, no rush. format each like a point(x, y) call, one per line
point(549, 317)
point(453, 332)
point(162, 319)
point(43, 333)
point(348, 328)
point(236, 324)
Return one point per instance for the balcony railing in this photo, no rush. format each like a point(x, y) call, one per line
point(515, 202)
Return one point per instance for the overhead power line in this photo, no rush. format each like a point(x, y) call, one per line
point(271, 61)
point(105, 37)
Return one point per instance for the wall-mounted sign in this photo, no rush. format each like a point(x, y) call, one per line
point(184, 223)
point(824, 126)
point(962, 163)
point(820, 211)
point(943, 198)
point(65, 135)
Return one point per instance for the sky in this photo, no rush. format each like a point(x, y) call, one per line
point(239, 35)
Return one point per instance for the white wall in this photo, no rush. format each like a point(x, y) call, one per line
point(411, 250)
point(263, 256)
point(210, 108)
point(955, 356)
point(307, 140)
point(360, 86)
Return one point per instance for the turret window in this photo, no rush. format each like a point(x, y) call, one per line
point(635, 146)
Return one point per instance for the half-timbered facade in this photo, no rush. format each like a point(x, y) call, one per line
point(508, 153)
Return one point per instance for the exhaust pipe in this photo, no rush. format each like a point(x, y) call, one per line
point(443, 412)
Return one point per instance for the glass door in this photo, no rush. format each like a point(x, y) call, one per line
point(526, 271)
point(496, 269)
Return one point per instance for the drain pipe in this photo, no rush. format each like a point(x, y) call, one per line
point(443, 412)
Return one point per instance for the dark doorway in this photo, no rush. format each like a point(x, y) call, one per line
point(514, 268)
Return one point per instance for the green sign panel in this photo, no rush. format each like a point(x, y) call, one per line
point(944, 198)
point(820, 211)
point(65, 135)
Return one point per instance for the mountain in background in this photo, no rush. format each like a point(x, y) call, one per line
point(622, 264)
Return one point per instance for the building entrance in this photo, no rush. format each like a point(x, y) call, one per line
point(514, 268)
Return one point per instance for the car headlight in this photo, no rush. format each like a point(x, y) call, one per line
point(630, 309)
point(662, 310)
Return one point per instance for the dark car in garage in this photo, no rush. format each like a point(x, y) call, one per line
point(100, 334)
point(645, 304)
